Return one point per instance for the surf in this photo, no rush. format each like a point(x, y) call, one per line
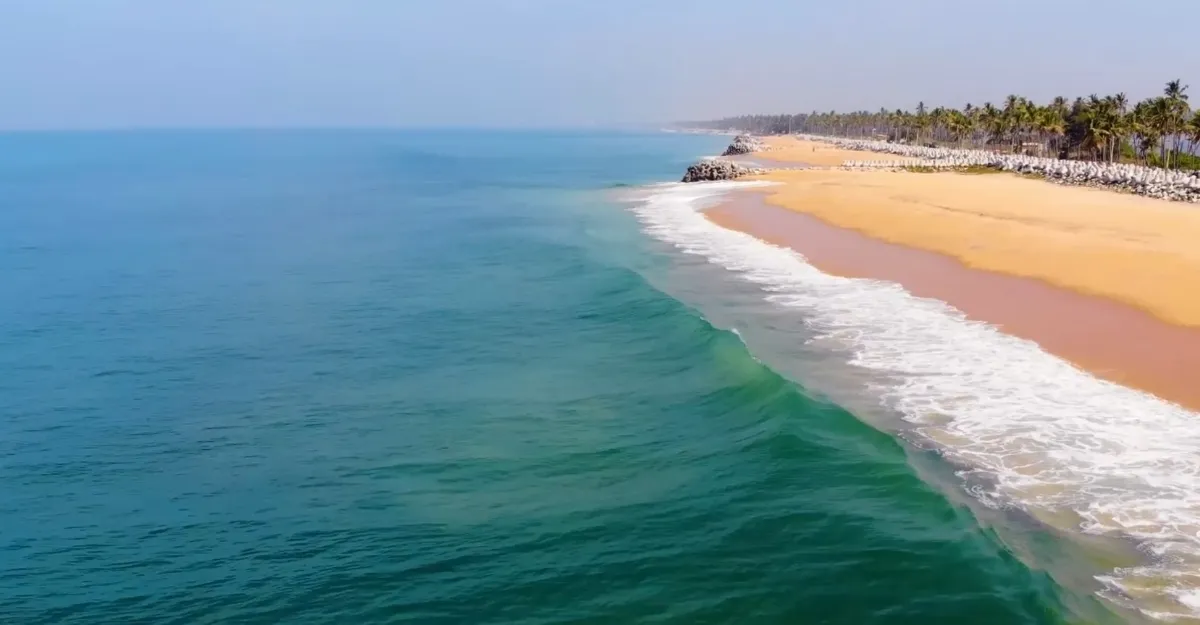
point(1026, 429)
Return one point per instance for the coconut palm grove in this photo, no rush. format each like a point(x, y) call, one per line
point(1160, 131)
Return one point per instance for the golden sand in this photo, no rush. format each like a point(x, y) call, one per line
point(1140, 251)
point(793, 150)
point(1114, 341)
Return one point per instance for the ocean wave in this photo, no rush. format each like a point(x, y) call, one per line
point(1031, 430)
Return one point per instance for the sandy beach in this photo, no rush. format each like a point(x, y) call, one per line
point(1108, 281)
point(1110, 339)
point(1130, 249)
point(794, 151)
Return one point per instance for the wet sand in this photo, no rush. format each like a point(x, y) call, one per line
point(1111, 339)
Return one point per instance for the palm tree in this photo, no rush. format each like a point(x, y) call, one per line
point(1121, 104)
point(937, 119)
point(921, 121)
point(966, 123)
point(896, 119)
point(1094, 127)
point(1141, 125)
point(1191, 131)
point(970, 114)
point(1059, 104)
point(1158, 123)
point(992, 120)
point(1103, 122)
point(1177, 111)
point(1030, 114)
point(1053, 126)
point(1010, 114)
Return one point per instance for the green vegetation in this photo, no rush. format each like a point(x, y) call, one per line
point(979, 170)
point(1161, 131)
point(1179, 160)
point(974, 170)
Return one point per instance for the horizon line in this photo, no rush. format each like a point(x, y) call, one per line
point(332, 127)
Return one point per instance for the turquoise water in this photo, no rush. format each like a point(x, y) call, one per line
point(443, 377)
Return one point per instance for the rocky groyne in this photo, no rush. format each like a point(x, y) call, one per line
point(743, 144)
point(1155, 182)
point(713, 169)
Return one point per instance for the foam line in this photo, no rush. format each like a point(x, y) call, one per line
point(1043, 435)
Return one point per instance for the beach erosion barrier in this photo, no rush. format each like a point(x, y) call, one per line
point(743, 144)
point(715, 168)
point(1163, 184)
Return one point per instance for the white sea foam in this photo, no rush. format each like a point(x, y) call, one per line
point(1033, 431)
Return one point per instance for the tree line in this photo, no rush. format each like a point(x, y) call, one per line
point(1161, 131)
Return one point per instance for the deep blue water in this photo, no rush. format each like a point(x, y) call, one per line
point(422, 377)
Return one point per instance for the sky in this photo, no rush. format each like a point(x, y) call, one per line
point(68, 64)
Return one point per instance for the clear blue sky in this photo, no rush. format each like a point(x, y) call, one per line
point(122, 63)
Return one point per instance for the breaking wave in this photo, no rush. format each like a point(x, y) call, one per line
point(1029, 430)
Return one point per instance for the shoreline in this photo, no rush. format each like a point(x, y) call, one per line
point(1093, 436)
point(1127, 248)
point(1043, 337)
point(1109, 339)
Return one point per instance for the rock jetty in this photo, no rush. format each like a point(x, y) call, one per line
point(1163, 184)
point(711, 169)
point(743, 144)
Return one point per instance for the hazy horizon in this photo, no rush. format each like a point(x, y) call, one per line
point(140, 64)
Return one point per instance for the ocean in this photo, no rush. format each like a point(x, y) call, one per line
point(469, 377)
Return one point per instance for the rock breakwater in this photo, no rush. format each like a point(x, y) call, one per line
point(712, 169)
point(743, 144)
point(1163, 184)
